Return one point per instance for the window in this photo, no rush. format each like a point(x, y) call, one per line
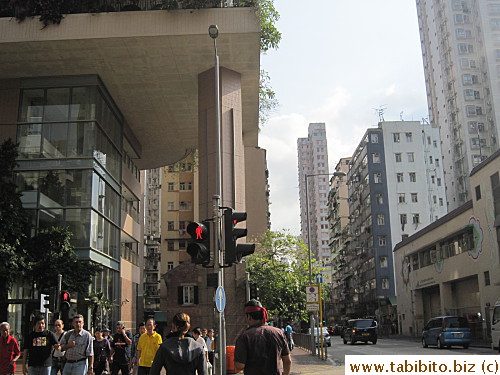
point(190, 186)
point(409, 137)
point(170, 186)
point(396, 137)
point(170, 245)
point(182, 245)
point(182, 186)
point(379, 198)
point(377, 177)
point(399, 177)
point(433, 179)
point(382, 241)
point(403, 218)
point(170, 206)
point(189, 167)
point(171, 168)
point(182, 225)
point(374, 138)
point(416, 218)
point(398, 157)
point(170, 266)
point(383, 261)
point(376, 157)
point(401, 197)
point(380, 219)
point(437, 162)
point(438, 181)
point(170, 225)
point(385, 283)
point(430, 160)
point(487, 278)
point(441, 202)
point(411, 157)
point(478, 192)
point(434, 199)
point(188, 295)
point(413, 177)
point(414, 197)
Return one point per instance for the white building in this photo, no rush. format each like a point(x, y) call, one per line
point(461, 53)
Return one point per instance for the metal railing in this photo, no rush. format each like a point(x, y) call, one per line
point(305, 341)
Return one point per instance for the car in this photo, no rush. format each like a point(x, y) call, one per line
point(360, 330)
point(337, 330)
point(326, 336)
point(447, 331)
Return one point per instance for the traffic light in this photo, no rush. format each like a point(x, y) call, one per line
point(199, 246)
point(45, 303)
point(254, 291)
point(65, 300)
point(233, 252)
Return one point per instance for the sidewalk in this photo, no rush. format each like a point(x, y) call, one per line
point(304, 363)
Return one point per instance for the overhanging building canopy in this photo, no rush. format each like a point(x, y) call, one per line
point(149, 61)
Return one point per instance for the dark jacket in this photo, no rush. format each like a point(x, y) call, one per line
point(180, 357)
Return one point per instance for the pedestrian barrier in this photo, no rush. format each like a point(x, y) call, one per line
point(230, 368)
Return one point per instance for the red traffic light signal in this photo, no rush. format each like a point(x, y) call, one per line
point(233, 252)
point(65, 296)
point(199, 246)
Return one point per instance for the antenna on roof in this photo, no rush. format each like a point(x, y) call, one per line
point(380, 112)
point(401, 116)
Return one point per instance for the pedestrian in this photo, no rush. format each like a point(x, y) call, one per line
point(261, 349)
point(102, 352)
point(38, 347)
point(204, 333)
point(211, 346)
point(121, 350)
point(106, 333)
point(288, 334)
point(134, 363)
point(147, 347)
point(180, 354)
point(9, 350)
point(199, 339)
point(58, 358)
point(77, 343)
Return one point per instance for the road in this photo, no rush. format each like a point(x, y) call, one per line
point(398, 346)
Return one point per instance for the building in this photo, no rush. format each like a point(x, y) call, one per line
point(101, 96)
point(394, 188)
point(451, 266)
point(313, 176)
point(461, 63)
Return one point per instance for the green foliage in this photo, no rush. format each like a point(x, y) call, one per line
point(14, 224)
point(49, 253)
point(280, 267)
point(270, 36)
point(267, 98)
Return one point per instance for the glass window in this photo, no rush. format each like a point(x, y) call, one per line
point(55, 141)
point(403, 218)
point(376, 157)
point(83, 103)
point(32, 105)
point(399, 177)
point(30, 140)
point(382, 241)
point(411, 157)
point(398, 157)
point(377, 177)
point(409, 137)
point(413, 177)
point(57, 105)
point(52, 188)
point(385, 283)
point(78, 222)
point(48, 218)
point(170, 225)
point(188, 292)
point(380, 219)
point(416, 218)
point(401, 197)
point(383, 262)
point(379, 198)
point(396, 137)
point(170, 186)
point(414, 197)
point(374, 138)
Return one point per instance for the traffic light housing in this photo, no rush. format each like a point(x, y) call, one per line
point(199, 245)
point(254, 291)
point(233, 252)
point(65, 300)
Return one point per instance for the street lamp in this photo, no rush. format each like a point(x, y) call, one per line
point(339, 174)
point(213, 31)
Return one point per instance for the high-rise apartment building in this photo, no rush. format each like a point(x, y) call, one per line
point(313, 190)
point(395, 188)
point(462, 73)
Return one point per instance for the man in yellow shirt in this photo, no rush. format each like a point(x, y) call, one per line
point(147, 347)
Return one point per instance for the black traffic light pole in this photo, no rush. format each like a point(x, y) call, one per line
point(58, 295)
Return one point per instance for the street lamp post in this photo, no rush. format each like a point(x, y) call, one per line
point(213, 31)
point(311, 320)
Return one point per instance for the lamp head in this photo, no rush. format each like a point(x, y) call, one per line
point(213, 31)
point(339, 174)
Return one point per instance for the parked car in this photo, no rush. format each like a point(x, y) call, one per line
point(360, 330)
point(326, 336)
point(495, 327)
point(336, 330)
point(446, 331)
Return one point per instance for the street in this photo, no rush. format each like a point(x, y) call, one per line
point(398, 346)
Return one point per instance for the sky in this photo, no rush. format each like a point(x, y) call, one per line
point(338, 61)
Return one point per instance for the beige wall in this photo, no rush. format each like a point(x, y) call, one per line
point(460, 279)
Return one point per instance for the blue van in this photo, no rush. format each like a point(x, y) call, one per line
point(445, 331)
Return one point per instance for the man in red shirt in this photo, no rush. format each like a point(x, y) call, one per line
point(9, 350)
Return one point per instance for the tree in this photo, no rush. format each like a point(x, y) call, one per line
point(267, 97)
point(14, 225)
point(280, 267)
point(100, 307)
point(50, 253)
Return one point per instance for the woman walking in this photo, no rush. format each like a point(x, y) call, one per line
point(180, 354)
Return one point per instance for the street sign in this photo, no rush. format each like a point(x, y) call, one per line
point(220, 299)
point(312, 297)
point(312, 289)
point(312, 307)
point(319, 278)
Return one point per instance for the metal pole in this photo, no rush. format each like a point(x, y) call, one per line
point(311, 314)
point(58, 299)
point(219, 254)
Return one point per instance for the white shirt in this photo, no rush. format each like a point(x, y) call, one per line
point(202, 342)
point(209, 344)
